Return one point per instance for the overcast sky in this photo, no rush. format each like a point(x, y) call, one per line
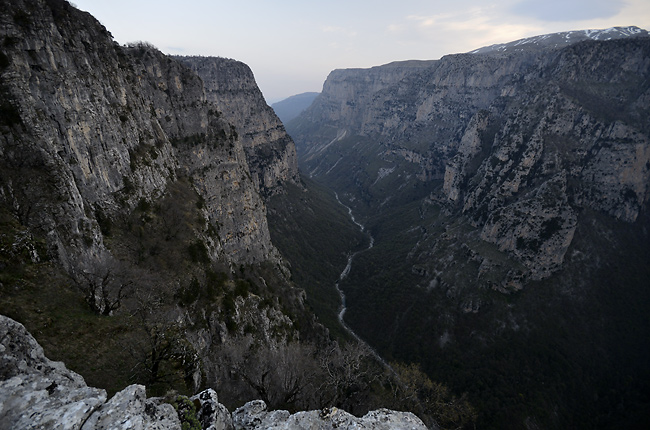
point(292, 45)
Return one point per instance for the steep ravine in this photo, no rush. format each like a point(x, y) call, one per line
point(135, 242)
point(347, 269)
point(344, 275)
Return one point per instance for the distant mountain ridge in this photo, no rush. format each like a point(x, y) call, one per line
point(293, 106)
point(558, 40)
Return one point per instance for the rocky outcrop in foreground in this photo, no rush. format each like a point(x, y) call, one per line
point(36, 392)
point(253, 415)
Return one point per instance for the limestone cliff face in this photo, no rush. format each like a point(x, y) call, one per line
point(520, 139)
point(270, 152)
point(569, 148)
point(348, 93)
point(416, 110)
point(89, 126)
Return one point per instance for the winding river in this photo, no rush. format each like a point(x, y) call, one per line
point(343, 275)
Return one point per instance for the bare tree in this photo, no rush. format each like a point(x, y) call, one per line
point(431, 401)
point(173, 217)
point(348, 370)
point(104, 281)
point(161, 342)
point(282, 375)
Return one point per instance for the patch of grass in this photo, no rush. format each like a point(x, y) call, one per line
point(186, 410)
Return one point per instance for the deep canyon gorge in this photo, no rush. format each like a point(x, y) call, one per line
point(464, 239)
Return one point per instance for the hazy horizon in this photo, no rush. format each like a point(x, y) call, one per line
point(291, 46)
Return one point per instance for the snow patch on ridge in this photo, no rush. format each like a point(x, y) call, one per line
point(555, 40)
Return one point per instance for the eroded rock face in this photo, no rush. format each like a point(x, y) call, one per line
point(36, 392)
point(537, 230)
point(559, 146)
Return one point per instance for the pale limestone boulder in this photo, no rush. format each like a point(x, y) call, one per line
point(130, 409)
point(37, 393)
point(253, 415)
point(212, 414)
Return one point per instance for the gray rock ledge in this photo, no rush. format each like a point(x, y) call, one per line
point(38, 393)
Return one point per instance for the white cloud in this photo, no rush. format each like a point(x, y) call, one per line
point(568, 10)
point(339, 31)
point(462, 31)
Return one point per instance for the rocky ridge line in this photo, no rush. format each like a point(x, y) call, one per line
point(558, 40)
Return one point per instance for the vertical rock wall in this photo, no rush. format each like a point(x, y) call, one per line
point(90, 126)
point(270, 152)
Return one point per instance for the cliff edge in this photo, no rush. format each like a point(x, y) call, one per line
point(36, 392)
